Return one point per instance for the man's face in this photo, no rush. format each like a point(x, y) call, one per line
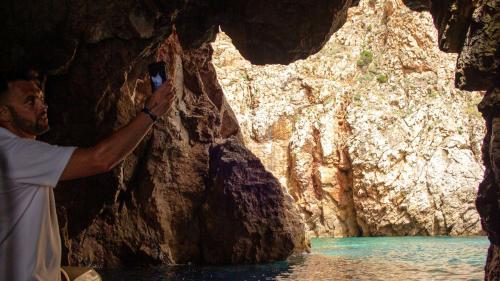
point(27, 107)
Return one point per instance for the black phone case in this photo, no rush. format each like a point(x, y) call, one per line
point(157, 71)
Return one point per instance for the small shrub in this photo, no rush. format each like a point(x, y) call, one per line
point(365, 77)
point(365, 58)
point(382, 78)
point(357, 97)
point(433, 94)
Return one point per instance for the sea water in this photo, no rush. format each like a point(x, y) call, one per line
point(360, 258)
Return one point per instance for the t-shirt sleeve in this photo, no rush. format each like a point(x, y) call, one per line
point(36, 162)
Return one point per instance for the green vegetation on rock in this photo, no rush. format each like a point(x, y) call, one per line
point(365, 58)
point(382, 78)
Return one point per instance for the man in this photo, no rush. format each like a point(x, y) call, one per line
point(30, 246)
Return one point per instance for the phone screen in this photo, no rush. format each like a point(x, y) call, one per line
point(157, 75)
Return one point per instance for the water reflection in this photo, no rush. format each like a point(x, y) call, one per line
point(320, 267)
point(383, 258)
point(244, 272)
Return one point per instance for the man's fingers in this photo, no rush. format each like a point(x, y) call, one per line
point(165, 85)
point(165, 88)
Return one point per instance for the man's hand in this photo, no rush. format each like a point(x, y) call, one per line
point(161, 100)
point(109, 152)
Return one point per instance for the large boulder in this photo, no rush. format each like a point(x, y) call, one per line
point(247, 217)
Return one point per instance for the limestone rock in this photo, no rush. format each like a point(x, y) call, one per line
point(369, 135)
point(478, 66)
point(492, 269)
point(274, 31)
point(97, 52)
point(472, 29)
point(488, 197)
point(246, 216)
point(149, 209)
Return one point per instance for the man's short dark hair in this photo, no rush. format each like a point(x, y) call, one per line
point(29, 74)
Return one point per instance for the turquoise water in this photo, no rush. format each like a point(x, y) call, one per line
point(366, 258)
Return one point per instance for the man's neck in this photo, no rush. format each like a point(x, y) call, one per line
point(16, 131)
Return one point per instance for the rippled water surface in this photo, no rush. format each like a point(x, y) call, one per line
point(374, 258)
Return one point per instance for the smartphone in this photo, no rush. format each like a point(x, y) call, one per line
point(157, 74)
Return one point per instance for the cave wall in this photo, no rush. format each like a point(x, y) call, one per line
point(155, 206)
point(472, 28)
point(96, 53)
point(151, 209)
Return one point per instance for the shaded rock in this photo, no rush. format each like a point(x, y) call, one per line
point(488, 197)
point(247, 217)
point(52, 32)
point(478, 65)
point(452, 19)
point(282, 31)
point(418, 5)
point(266, 32)
point(144, 212)
point(151, 208)
point(492, 268)
point(198, 22)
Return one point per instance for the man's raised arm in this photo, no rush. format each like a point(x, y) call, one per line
point(109, 152)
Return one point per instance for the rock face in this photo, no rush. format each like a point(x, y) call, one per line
point(488, 198)
point(247, 217)
point(154, 208)
point(478, 69)
point(369, 135)
point(470, 28)
point(97, 52)
point(261, 29)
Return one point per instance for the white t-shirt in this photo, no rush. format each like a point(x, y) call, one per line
point(30, 246)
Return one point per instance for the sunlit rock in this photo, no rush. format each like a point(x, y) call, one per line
point(378, 141)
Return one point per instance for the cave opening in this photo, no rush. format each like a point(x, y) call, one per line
point(369, 136)
point(192, 192)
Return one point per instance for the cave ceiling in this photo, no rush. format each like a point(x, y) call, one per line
point(51, 33)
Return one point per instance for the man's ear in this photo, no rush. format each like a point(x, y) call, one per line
point(5, 115)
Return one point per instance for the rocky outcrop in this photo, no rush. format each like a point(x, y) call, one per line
point(470, 28)
point(488, 198)
point(369, 135)
point(246, 216)
point(492, 268)
point(274, 31)
point(97, 53)
point(478, 69)
point(155, 207)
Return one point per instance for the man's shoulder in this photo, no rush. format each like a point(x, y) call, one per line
point(9, 141)
point(5, 133)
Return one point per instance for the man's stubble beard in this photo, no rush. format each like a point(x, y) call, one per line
point(35, 128)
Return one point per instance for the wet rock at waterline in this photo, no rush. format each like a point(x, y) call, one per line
point(246, 216)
